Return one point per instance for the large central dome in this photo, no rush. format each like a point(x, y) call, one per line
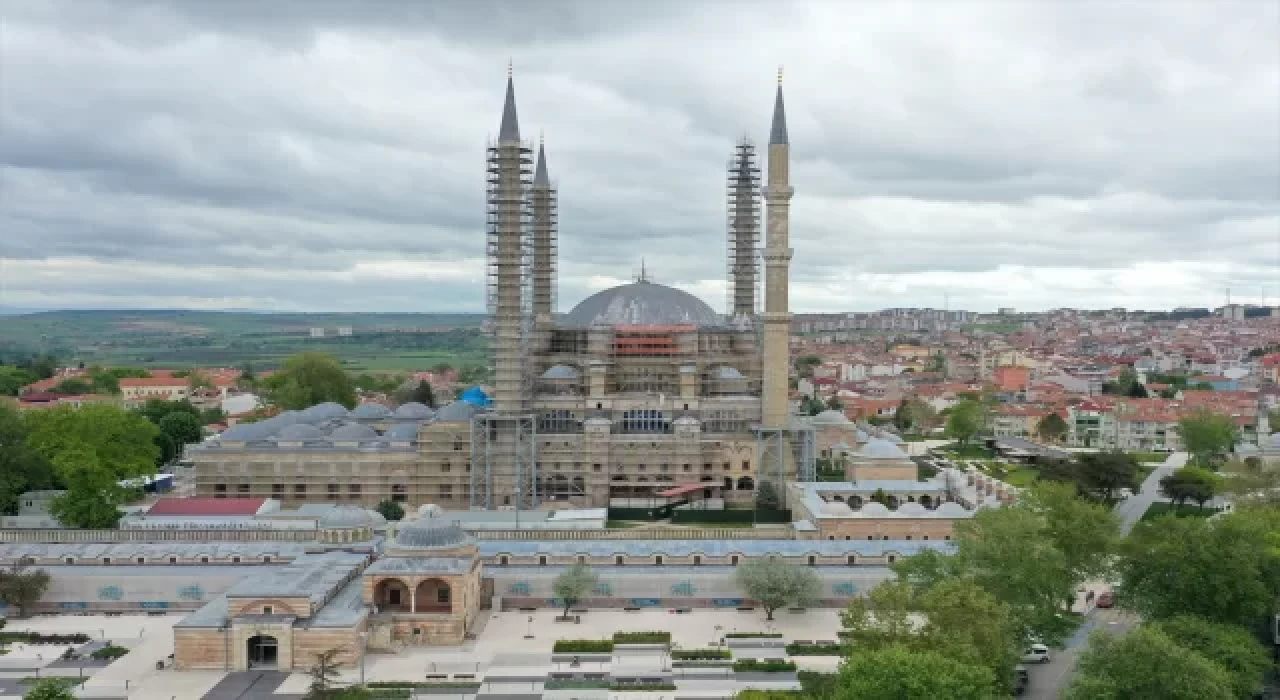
point(642, 303)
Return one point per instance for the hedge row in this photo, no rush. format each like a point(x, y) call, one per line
point(575, 683)
point(753, 635)
point(639, 687)
point(764, 665)
point(701, 654)
point(816, 649)
point(582, 646)
point(37, 638)
point(641, 637)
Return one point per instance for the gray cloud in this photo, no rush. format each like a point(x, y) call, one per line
point(328, 153)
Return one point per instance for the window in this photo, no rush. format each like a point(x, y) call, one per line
point(142, 560)
point(235, 560)
point(542, 560)
point(504, 560)
point(728, 466)
point(444, 465)
point(267, 610)
point(746, 466)
point(617, 561)
point(813, 561)
point(442, 595)
point(299, 490)
point(354, 490)
point(733, 560)
point(925, 537)
point(106, 560)
point(173, 560)
point(870, 537)
point(398, 493)
point(446, 490)
point(688, 467)
point(69, 560)
point(706, 467)
point(277, 490)
point(908, 536)
point(582, 559)
point(332, 490)
point(595, 467)
point(852, 560)
point(204, 560)
point(242, 489)
point(884, 537)
point(266, 559)
point(219, 490)
point(697, 560)
point(946, 537)
point(657, 561)
point(892, 558)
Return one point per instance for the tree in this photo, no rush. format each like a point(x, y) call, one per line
point(21, 468)
point(1230, 647)
point(423, 394)
point(323, 674)
point(21, 587)
point(73, 386)
point(573, 584)
point(833, 404)
point(767, 496)
point(1224, 570)
point(1096, 474)
point(390, 510)
point(1084, 532)
point(49, 689)
point(775, 583)
point(880, 619)
point(310, 378)
point(155, 409)
point(1208, 436)
point(1273, 420)
point(965, 420)
point(1052, 428)
point(12, 379)
point(182, 428)
point(1145, 664)
point(122, 442)
point(898, 672)
point(1252, 483)
point(806, 363)
point(93, 494)
point(914, 415)
point(1190, 484)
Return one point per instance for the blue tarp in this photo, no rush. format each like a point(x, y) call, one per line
point(476, 397)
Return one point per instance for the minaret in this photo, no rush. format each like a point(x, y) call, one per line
point(542, 200)
point(508, 176)
point(744, 230)
point(777, 262)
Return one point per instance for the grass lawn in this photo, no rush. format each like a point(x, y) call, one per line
point(1160, 508)
point(1149, 456)
point(1021, 477)
point(967, 451)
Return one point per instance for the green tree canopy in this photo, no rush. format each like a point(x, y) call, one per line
point(390, 510)
point(21, 468)
point(767, 496)
point(122, 442)
point(1190, 484)
point(155, 409)
point(775, 583)
point(93, 493)
point(1208, 436)
point(1084, 532)
point(49, 689)
point(12, 379)
point(1224, 570)
point(1229, 646)
point(899, 673)
point(573, 584)
point(966, 419)
point(1052, 428)
point(310, 378)
point(1146, 664)
point(1096, 474)
point(21, 586)
point(182, 428)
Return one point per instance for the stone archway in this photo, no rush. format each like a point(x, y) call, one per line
point(927, 502)
point(391, 594)
point(263, 651)
point(433, 596)
point(746, 483)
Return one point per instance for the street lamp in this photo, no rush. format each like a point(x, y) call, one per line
point(364, 645)
point(529, 633)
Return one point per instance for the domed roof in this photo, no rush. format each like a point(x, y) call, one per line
point(728, 373)
point(299, 432)
point(348, 432)
point(836, 508)
point(561, 372)
point(323, 411)
point(642, 303)
point(413, 411)
point(950, 510)
point(894, 438)
point(402, 431)
point(376, 517)
point(874, 509)
point(456, 412)
point(429, 533)
point(244, 432)
point(345, 517)
point(879, 448)
point(830, 417)
point(861, 435)
point(370, 411)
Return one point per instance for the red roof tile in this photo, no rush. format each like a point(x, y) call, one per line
point(207, 506)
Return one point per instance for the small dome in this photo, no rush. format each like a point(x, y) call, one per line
point(456, 412)
point(836, 508)
point(878, 448)
point(432, 534)
point(861, 435)
point(950, 510)
point(345, 517)
point(244, 432)
point(874, 509)
point(401, 432)
point(353, 432)
point(413, 411)
point(728, 373)
point(300, 432)
point(429, 510)
point(376, 517)
point(910, 508)
point(323, 411)
point(370, 411)
point(561, 372)
point(830, 417)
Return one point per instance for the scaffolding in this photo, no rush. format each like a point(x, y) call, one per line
point(508, 254)
point(543, 206)
point(744, 230)
point(784, 455)
point(504, 462)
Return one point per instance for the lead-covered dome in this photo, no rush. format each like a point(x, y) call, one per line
point(427, 533)
point(413, 411)
point(345, 517)
point(353, 432)
point(642, 304)
point(370, 411)
point(879, 448)
point(299, 432)
point(830, 417)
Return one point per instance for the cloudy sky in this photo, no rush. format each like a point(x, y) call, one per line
point(328, 154)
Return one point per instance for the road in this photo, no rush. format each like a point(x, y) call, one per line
point(1049, 680)
point(1132, 509)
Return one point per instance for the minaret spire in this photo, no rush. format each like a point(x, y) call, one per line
point(778, 132)
point(540, 178)
point(509, 131)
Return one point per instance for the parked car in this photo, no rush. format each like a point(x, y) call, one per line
point(1036, 654)
point(1106, 599)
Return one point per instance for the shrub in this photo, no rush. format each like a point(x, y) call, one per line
point(816, 649)
point(575, 683)
point(753, 635)
point(701, 654)
point(37, 638)
point(642, 687)
point(704, 663)
point(763, 666)
point(641, 637)
point(110, 651)
point(565, 646)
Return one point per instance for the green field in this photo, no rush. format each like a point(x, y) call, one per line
point(174, 339)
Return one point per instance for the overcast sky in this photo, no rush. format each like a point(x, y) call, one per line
point(329, 154)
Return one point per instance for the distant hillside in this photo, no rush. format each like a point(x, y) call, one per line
point(397, 341)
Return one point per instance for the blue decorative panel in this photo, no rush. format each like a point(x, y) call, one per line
point(154, 605)
point(846, 589)
point(646, 602)
point(73, 606)
point(521, 588)
point(684, 588)
point(192, 592)
point(110, 593)
point(727, 602)
point(604, 589)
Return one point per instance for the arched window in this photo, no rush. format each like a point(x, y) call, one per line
point(746, 483)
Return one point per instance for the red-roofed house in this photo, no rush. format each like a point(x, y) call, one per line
point(204, 507)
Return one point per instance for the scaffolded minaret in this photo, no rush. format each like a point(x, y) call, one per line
point(542, 200)
point(744, 229)
point(786, 449)
point(502, 443)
